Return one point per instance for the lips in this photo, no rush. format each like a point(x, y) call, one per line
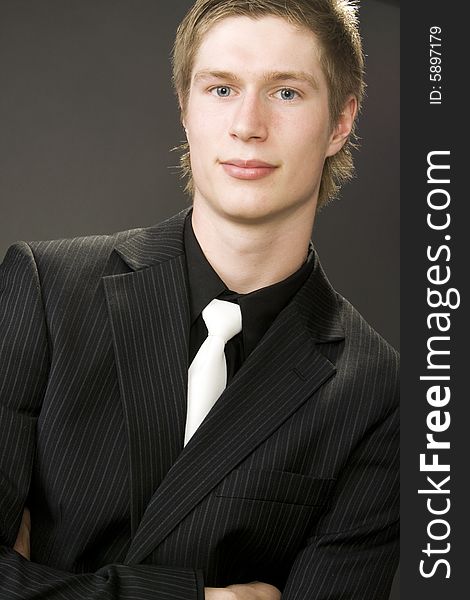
point(247, 169)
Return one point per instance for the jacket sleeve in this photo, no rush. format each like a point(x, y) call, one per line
point(24, 367)
point(352, 553)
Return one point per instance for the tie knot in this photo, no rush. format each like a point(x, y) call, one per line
point(223, 319)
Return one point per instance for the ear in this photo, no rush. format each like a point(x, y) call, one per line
point(343, 126)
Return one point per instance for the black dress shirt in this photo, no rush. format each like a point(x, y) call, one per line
point(259, 308)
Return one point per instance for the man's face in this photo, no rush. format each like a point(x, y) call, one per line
point(257, 120)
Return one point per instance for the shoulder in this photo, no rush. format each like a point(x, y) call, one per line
point(66, 248)
point(78, 251)
point(366, 359)
point(89, 252)
point(362, 336)
point(62, 264)
point(340, 332)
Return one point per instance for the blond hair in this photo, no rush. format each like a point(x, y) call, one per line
point(334, 23)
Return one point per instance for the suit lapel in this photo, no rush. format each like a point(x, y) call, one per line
point(149, 314)
point(284, 371)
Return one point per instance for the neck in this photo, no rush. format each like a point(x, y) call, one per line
point(248, 256)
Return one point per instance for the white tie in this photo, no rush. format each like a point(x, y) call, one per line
point(207, 376)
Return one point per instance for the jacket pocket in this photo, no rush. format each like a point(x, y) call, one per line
point(276, 486)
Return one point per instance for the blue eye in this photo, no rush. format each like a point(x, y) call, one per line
point(223, 91)
point(288, 94)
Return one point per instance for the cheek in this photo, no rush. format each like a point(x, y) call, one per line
point(203, 114)
point(303, 152)
point(312, 147)
point(298, 134)
point(203, 134)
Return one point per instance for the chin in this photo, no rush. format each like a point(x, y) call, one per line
point(243, 208)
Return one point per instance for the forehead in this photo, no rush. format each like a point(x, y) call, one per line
point(267, 43)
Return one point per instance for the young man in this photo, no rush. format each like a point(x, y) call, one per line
point(158, 461)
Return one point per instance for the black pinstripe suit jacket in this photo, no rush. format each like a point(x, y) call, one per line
point(291, 479)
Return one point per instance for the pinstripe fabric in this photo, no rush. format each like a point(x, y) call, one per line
point(291, 479)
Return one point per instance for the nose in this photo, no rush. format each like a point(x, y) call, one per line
point(250, 119)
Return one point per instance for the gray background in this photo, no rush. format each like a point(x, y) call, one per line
point(88, 118)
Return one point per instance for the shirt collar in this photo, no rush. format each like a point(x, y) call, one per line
point(204, 283)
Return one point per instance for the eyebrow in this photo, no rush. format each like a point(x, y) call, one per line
point(268, 77)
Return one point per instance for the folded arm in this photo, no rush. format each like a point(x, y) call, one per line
point(250, 591)
point(352, 553)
